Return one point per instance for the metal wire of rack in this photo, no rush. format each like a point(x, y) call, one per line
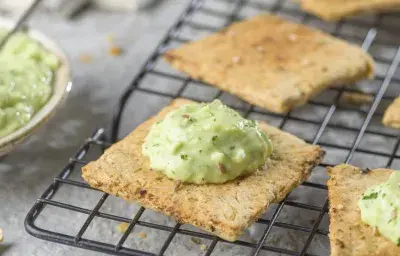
point(21, 21)
point(371, 41)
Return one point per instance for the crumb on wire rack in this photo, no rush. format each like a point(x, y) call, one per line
point(142, 235)
point(122, 227)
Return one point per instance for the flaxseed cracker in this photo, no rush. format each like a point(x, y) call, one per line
point(349, 236)
point(391, 117)
point(223, 209)
point(336, 9)
point(272, 63)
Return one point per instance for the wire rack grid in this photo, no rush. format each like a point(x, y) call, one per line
point(324, 121)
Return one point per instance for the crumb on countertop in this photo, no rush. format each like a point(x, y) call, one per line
point(85, 58)
point(122, 227)
point(142, 235)
point(115, 51)
point(203, 247)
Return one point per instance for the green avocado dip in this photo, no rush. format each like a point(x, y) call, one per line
point(206, 143)
point(27, 73)
point(380, 208)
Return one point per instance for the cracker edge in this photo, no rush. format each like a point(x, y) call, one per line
point(336, 16)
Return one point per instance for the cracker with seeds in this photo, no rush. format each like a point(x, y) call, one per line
point(391, 117)
point(332, 10)
point(223, 209)
point(349, 236)
point(272, 63)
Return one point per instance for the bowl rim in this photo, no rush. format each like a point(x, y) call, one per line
point(61, 86)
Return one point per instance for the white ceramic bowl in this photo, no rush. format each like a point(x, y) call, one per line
point(61, 86)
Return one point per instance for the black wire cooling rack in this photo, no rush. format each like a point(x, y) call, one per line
point(377, 34)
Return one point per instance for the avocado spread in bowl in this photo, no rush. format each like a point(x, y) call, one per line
point(206, 143)
point(34, 80)
point(27, 72)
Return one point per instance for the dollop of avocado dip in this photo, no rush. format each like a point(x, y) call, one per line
point(380, 207)
point(206, 143)
point(27, 72)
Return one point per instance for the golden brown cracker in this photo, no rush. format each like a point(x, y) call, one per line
point(349, 236)
point(272, 63)
point(223, 209)
point(391, 117)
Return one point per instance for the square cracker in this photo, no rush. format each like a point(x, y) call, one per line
point(223, 209)
point(349, 236)
point(272, 63)
point(392, 114)
point(337, 9)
